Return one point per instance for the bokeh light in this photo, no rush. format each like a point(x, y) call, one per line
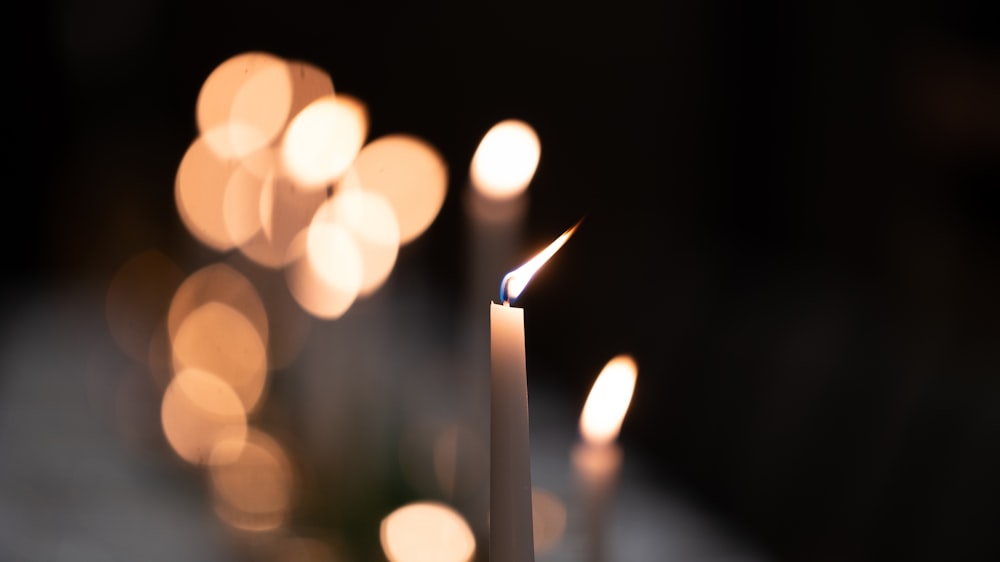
point(244, 103)
point(221, 283)
point(309, 83)
point(323, 139)
point(334, 252)
point(506, 159)
point(427, 532)
point(217, 338)
point(411, 174)
point(137, 300)
point(261, 108)
point(609, 398)
point(370, 219)
point(285, 212)
point(241, 198)
point(252, 482)
point(198, 411)
point(199, 194)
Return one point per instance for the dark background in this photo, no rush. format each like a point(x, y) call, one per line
point(792, 219)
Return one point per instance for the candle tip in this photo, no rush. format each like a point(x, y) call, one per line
point(514, 282)
point(504, 295)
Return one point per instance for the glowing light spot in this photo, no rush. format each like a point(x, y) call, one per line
point(332, 250)
point(285, 211)
point(217, 283)
point(609, 398)
point(309, 83)
point(323, 139)
point(506, 159)
point(548, 519)
point(242, 196)
point(199, 410)
point(244, 103)
point(370, 219)
point(262, 106)
point(137, 301)
point(252, 490)
point(411, 174)
point(199, 193)
point(219, 339)
point(427, 532)
point(333, 253)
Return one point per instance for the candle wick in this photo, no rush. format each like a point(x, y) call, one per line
point(504, 295)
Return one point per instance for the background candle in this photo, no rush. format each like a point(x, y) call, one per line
point(597, 459)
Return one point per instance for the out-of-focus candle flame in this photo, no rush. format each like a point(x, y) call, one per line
point(252, 482)
point(608, 401)
point(244, 103)
point(198, 411)
point(425, 531)
point(221, 283)
point(323, 139)
point(506, 160)
point(410, 173)
point(219, 339)
point(514, 282)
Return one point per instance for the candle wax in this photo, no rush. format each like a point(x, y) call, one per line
point(511, 533)
point(597, 467)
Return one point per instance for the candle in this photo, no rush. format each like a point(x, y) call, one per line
point(511, 538)
point(597, 459)
point(496, 201)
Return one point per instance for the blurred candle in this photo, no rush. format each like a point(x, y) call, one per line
point(511, 536)
point(505, 160)
point(597, 459)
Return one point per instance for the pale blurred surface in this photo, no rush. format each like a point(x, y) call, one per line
point(86, 474)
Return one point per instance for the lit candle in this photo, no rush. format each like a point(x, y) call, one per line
point(496, 202)
point(598, 459)
point(511, 538)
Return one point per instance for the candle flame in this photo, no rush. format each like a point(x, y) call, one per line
point(608, 401)
point(427, 530)
point(515, 281)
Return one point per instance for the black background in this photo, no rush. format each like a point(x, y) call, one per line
point(792, 218)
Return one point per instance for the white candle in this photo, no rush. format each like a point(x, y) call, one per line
point(597, 459)
point(511, 537)
point(496, 203)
